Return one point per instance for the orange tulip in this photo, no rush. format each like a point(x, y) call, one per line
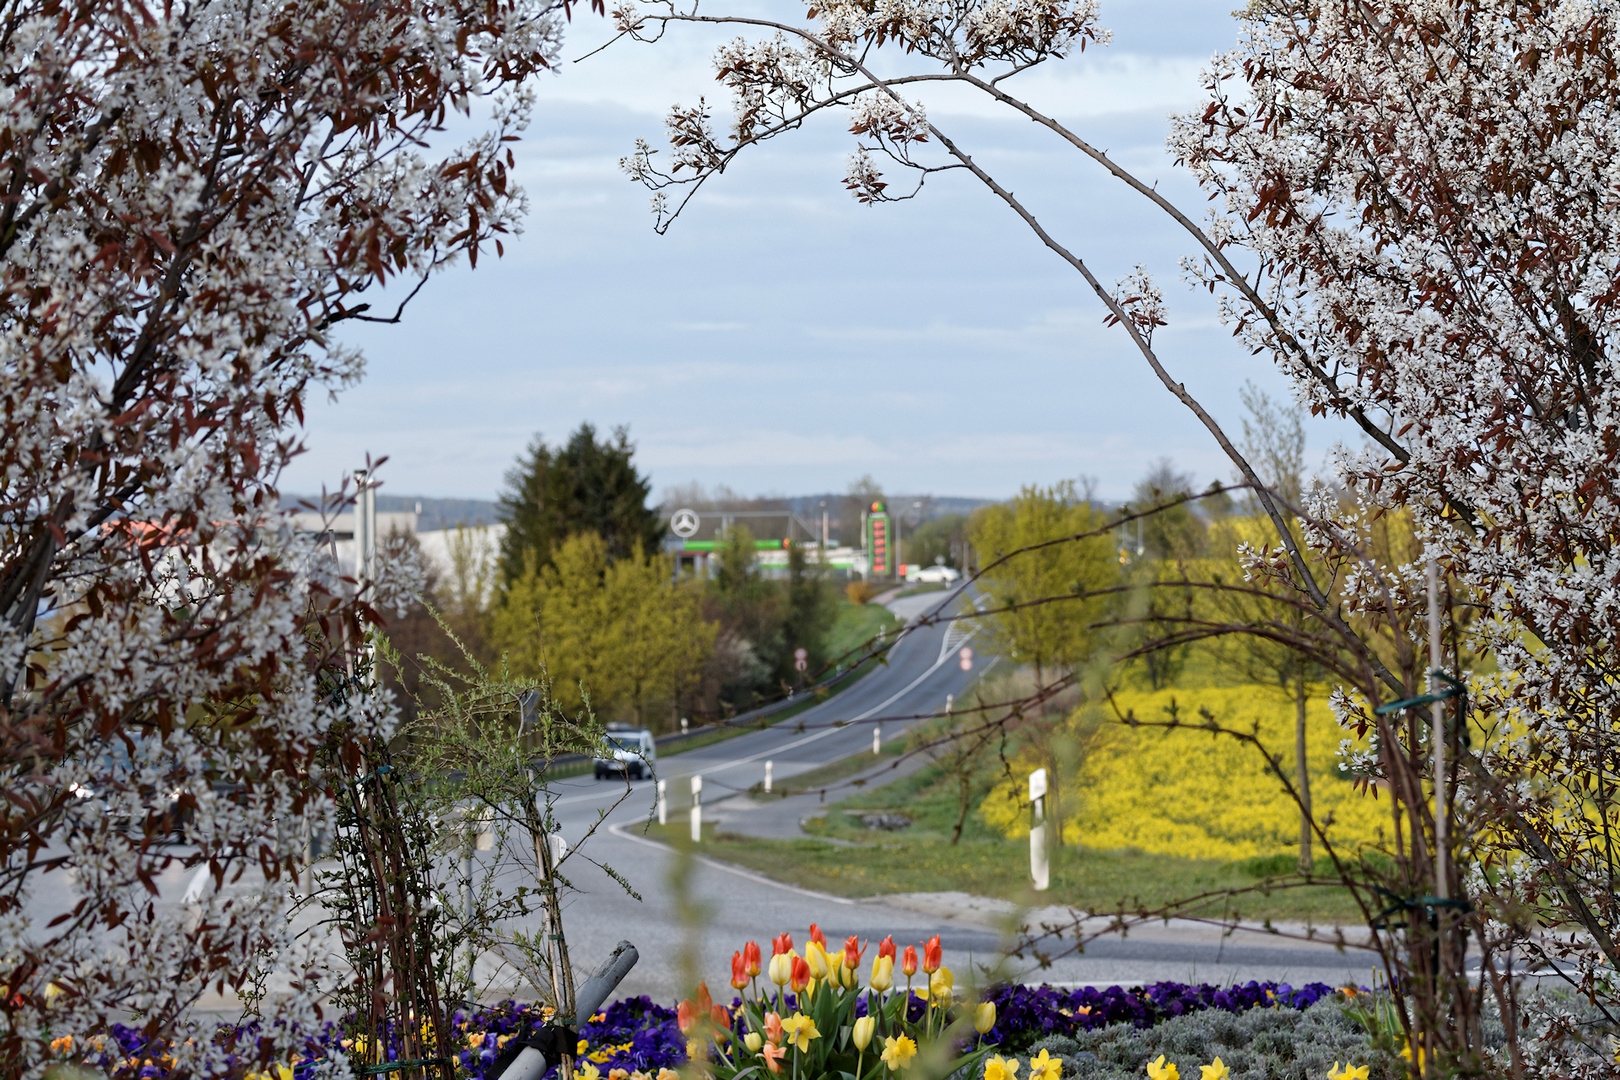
point(933, 955)
point(704, 1001)
point(773, 1027)
point(781, 945)
point(686, 1016)
point(751, 960)
point(818, 937)
point(773, 1056)
point(801, 974)
point(852, 954)
point(721, 1017)
point(739, 971)
point(886, 947)
point(908, 962)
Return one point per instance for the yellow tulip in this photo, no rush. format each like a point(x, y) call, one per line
point(897, 1053)
point(1043, 1066)
point(1217, 1070)
point(984, 1017)
point(882, 973)
point(939, 987)
point(863, 1032)
point(753, 1041)
point(816, 957)
point(781, 969)
point(999, 1068)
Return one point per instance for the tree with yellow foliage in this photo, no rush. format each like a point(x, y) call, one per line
point(622, 634)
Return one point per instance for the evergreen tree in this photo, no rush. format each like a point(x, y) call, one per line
point(582, 486)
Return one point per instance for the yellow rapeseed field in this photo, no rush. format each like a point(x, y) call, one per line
point(1189, 793)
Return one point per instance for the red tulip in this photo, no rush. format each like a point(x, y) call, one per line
point(801, 975)
point(751, 961)
point(686, 1016)
point(908, 964)
point(852, 954)
point(818, 937)
point(704, 1001)
point(781, 945)
point(721, 1017)
point(739, 971)
point(886, 947)
point(933, 955)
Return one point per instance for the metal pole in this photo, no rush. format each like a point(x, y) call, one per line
point(877, 738)
point(767, 778)
point(1437, 713)
point(663, 805)
point(697, 809)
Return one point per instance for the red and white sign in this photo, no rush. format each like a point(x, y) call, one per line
point(966, 656)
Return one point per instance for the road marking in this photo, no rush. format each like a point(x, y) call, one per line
point(618, 830)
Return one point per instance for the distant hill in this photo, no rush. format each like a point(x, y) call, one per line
point(431, 513)
point(448, 513)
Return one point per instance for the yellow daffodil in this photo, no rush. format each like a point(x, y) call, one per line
point(862, 1035)
point(1216, 1070)
point(1000, 1068)
point(1160, 1070)
point(753, 1040)
point(800, 1029)
point(1045, 1067)
point(1349, 1072)
point(882, 973)
point(984, 1017)
point(897, 1053)
point(588, 1072)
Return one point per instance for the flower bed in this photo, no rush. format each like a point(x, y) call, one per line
point(1027, 1013)
point(638, 1038)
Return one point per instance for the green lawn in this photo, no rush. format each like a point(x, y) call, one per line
point(854, 625)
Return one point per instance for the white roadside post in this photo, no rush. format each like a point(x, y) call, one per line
point(697, 809)
point(1038, 869)
point(767, 778)
point(877, 738)
point(663, 804)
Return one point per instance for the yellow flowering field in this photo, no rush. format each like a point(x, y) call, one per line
point(1188, 793)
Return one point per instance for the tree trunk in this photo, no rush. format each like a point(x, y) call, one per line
point(1303, 778)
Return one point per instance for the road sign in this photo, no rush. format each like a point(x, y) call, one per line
point(802, 664)
point(801, 654)
point(966, 658)
point(684, 523)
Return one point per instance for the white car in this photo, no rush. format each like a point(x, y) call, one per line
point(929, 575)
point(635, 754)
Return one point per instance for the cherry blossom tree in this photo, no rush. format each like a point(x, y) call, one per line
point(196, 198)
point(1415, 219)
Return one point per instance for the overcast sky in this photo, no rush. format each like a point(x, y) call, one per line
point(783, 338)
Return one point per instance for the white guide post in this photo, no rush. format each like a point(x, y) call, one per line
point(877, 738)
point(697, 809)
point(663, 804)
point(1039, 871)
point(767, 778)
